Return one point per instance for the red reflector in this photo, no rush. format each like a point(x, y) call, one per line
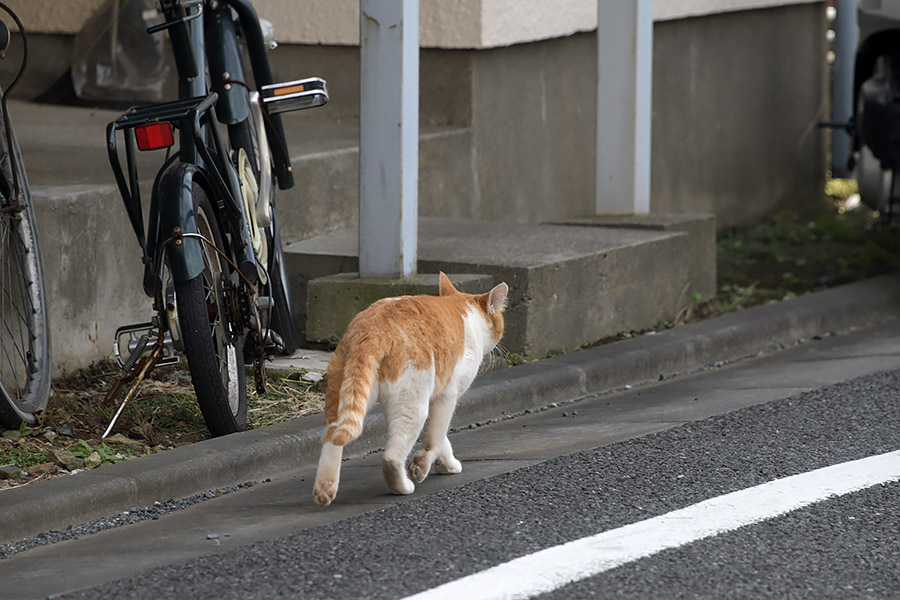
point(154, 136)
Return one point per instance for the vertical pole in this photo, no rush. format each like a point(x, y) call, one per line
point(388, 137)
point(624, 105)
point(846, 38)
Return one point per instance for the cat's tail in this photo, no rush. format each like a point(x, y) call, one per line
point(359, 370)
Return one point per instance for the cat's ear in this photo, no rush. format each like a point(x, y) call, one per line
point(446, 288)
point(497, 298)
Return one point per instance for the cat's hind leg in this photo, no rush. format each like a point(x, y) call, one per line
point(436, 449)
point(328, 474)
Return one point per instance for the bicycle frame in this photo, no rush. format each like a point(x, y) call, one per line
point(233, 208)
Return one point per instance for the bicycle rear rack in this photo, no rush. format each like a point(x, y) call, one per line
point(186, 115)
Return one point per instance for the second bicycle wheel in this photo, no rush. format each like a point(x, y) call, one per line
point(214, 355)
point(24, 330)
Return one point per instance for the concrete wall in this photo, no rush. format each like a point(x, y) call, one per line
point(457, 24)
point(736, 99)
point(736, 96)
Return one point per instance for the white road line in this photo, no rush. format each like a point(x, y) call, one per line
point(555, 567)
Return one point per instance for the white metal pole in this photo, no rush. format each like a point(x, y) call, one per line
point(388, 137)
point(624, 106)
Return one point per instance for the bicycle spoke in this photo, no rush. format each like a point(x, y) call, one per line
point(16, 309)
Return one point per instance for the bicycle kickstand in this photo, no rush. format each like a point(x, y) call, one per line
point(137, 374)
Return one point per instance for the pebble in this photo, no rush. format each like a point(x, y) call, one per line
point(61, 457)
point(43, 469)
point(9, 471)
point(313, 376)
point(93, 461)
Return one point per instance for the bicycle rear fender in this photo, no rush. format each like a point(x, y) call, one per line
point(233, 105)
point(175, 191)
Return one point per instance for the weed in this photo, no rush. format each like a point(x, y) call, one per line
point(514, 359)
point(22, 457)
point(83, 449)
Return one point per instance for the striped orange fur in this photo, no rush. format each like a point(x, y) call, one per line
point(415, 355)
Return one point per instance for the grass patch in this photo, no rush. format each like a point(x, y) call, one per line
point(163, 415)
point(287, 397)
point(791, 254)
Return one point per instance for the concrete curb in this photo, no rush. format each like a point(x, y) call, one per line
point(256, 454)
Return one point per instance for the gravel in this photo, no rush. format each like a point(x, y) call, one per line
point(134, 514)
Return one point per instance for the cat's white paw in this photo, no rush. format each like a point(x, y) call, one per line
point(402, 487)
point(396, 479)
point(324, 492)
point(418, 467)
point(447, 466)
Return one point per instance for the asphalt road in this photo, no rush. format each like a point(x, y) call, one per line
point(544, 479)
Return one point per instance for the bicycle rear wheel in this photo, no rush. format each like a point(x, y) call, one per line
point(24, 329)
point(213, 350)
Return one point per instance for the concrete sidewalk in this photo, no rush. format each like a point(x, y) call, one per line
point(257, 454)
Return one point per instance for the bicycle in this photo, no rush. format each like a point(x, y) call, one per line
point(25, 370)
point(213, 261)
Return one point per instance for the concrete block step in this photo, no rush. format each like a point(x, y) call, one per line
point(569, 286)
point(701, 230)
point(334, 300)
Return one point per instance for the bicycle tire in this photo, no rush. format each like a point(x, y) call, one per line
point(25, 370)
point(281, 317)
point(215, 358)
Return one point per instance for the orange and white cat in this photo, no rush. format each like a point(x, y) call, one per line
point(415, 355)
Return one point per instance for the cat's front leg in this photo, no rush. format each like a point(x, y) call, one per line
point(441, 458)
point(437, 450)
point(406, 415)
point(446, 463)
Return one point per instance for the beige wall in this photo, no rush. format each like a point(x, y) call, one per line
point(443, 24)
point(53, 16)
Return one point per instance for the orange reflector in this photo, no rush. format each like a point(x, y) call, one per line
point(154, 136)
point(289, 90)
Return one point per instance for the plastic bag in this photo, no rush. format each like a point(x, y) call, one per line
point(116, 59)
